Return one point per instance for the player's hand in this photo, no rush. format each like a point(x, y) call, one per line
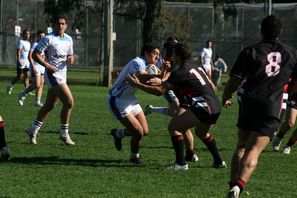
point(132, 79)
point(227, 103)
point(52, 69)
point(154, 81)
point(70, 60)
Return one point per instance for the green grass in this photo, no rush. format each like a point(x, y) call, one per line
point(94, 168)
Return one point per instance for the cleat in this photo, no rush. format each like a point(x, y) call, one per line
point(221, 165)
point(9, 89)
point(39, 104)
point(191, 158)
point(177, 167)
point(276, 143)
point(32, 136)
point(5, 153)
point(136, 161)
point(148, 109)
point(287, 150)
point(67, 140)
point(21, 99)
point(31, 93)
point(234, 192)
point(117, 141)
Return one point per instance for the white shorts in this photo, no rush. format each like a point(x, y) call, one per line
point(121, 108)
point(55, 79)
point(207, 67)
point(25, 64)
point(40, 70)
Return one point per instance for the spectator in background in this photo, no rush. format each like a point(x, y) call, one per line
point(22, 62)
point(219, 66)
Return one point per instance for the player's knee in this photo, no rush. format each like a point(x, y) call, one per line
point(69, 104)
point(291, 123)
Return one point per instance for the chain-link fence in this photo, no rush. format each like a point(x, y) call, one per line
point(231, 27)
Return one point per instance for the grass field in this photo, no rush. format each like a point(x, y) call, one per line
point(94, 168)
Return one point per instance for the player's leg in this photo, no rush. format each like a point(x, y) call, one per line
point(289, 122)
point(50, 103)
point(14, 80)
point(191, 154)
point(203, 133)
point(3, 146)
point(291, 142)
point(63, 92)
point(136, 126)
point(39, 85)
point(177, 126)
point(26, 73)
point(24, 93)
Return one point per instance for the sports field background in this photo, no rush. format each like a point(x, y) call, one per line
point(94, 168)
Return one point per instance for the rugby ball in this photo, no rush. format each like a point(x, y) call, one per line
point(152, 69)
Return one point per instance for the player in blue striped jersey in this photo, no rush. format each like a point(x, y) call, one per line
point(58, 50)
point(123, 103)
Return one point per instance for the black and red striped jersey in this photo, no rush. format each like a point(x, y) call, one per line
point(190, 82)
point(266, 68)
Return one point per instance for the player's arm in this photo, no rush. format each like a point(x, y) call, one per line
point(155, 90)
point(37, 56)
point(230, 88)
point(70, 59)
point(19, 51)
point(32, 62)
point(292, 89)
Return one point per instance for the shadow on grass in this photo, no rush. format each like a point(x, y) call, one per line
point(54, 160)
point(72, 132)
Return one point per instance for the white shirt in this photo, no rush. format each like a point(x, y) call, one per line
point(56, 49)
point(121, 87)
point(206, 55)
point(24, 46)
point(31, 50)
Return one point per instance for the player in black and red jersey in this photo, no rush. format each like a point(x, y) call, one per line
point(265, 67)
point(200, 107)
point(291, 115)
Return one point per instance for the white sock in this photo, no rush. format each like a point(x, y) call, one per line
point(36, 126)
point(64, 129)
point(134, 155)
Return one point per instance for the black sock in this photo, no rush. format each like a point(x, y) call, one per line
point(280, 135)
point(178, 145)
point(291, 142)
point(2, 135)
point(211, 145)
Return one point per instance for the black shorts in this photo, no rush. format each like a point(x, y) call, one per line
point(22, 71)
point(265, 125)
point(203, 114)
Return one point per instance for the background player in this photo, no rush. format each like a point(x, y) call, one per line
point(58, 49)
point(291, 114)
point(22, 62)
point(206, 58)
point(37, 72)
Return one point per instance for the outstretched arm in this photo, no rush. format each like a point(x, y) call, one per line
point(155, 90)
point(230, 88)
